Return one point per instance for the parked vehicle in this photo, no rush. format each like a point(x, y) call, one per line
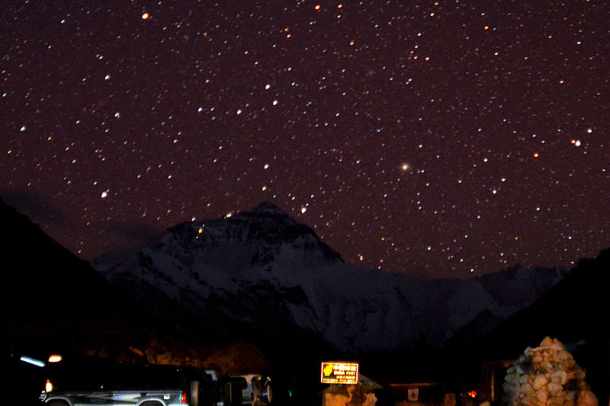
point(127, 397)
point(256, 389)
point(106, 384)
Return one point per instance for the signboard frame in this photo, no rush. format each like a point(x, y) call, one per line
point(339, 372)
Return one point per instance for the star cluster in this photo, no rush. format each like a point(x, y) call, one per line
point(439, 138)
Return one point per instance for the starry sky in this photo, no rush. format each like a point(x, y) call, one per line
point(437, 138)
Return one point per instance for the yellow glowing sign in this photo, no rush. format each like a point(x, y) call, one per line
point(342, 373)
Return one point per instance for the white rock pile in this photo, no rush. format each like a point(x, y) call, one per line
point(547, 376)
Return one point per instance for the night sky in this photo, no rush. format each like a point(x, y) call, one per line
point(438, 138)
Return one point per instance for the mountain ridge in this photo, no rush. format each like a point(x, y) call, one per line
point(262, 255)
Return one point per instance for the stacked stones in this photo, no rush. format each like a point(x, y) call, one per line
point(547, 376)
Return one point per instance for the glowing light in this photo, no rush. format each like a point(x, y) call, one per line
point(104, 194)
point(303, 210)
point(145, 16)
point(48, 386)
point(472, 394)
point(345, 373)
point(54, 359)
point(405, 167)
point(536, 155)
point(576, 143)
point(317, 7)
point(32, 361)
point(200, 230)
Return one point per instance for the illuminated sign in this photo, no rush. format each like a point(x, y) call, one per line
point(342, 373)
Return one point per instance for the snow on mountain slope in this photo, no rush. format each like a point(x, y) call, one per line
point(262, 265)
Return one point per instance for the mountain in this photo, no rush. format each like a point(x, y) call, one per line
point(53, 301)
point(44, 283)
point(574, 311)
point(263, 271)
point(569, 310)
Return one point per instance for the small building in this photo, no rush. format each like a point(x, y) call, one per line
point(416, 394)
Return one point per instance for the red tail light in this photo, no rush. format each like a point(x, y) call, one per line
point(183, 399)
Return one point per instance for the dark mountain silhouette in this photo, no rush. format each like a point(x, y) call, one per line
point(575, 311)
point(49, 293)
point(51, 301)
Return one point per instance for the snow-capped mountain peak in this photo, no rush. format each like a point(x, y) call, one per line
point(260, 266)
point(266, 207)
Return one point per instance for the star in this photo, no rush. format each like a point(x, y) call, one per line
point(205, 112)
